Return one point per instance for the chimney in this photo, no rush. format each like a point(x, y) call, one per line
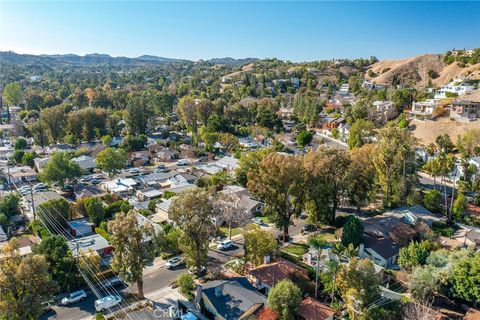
point(266, 259)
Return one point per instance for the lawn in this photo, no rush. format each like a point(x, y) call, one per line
point(296, 249)
point(223, 231)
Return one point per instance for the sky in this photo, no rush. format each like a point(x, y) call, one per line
point(296, 31)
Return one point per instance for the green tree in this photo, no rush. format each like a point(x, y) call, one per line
point(61, 262)
point(13, 93)
point(95, 210)
point(28, 159)
point(280, 184)
point(424, 283)
point(458, 209)
point(352, 232)
point(186, 284)
point(432, 200)
point(111, 160)
point(25, 284)
point(131, 253)
point(359, 286)
point(258, 244)
point(249, 161)
point(317, 243)
point(360, 133)
point(54, 214)
point(465, 279)
point(193, 211)
point(284, 298)
point(53, 121)
point(304, 137)
point(18, 156)
point(414, 254)
point(59, 168)
point(9, 205)
point(138, 113)
point(20, 144)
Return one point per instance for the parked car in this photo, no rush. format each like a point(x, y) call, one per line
point(182, 162)
point(193, 270)
point(257, 220)
point(225, 244)
point(107, 302)
point(24, 190)
point(95, 181)
point(134, 170)
point(309, 228)
point(73, 297)
point(160, 168)
point(173, 262)
point(114, 282)
point(40, 186)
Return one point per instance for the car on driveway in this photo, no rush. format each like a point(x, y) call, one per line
point(257, 220)
point(114, 282)
point(107, 302)
point(225, 244)
point(309, 228)
point(74, 297)
point(173, 262)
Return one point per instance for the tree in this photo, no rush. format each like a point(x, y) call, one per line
point(133, 143)
point(465, 279)
point(53, 120)
point(317, 243)
point(249, 161)
point(20, 144)
point(18, 156)
point(61, 262)
point(25, 284)
point(9, 205)
point(352, 232)
point(187, 111)
point(360, 132)
point(13, 93)
point(59, 168)
point(280, 184)
point(432, 200)
point(229, 209)
point(326, 169)
point(394, 160)
point(258, 244)
point(193, 212)
point(95, 210)
point(424, 283)
point(54, 214)
point(469, 143)
point(304, 137)
point(132, 253)
point(28, 159)
point(284, 298)
point(458, 209)
point(111, 160)
point(359, 286)
point(138, 113)
point(360, 177)
point(186, 284)
point(414, 254)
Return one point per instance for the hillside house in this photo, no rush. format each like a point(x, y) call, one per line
point(423, 108)
point(311, 309)
point(464, 110)
point(86, 163)
point(456, 88)
point(383, 251)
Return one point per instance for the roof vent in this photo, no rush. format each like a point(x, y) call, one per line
point(218, 292)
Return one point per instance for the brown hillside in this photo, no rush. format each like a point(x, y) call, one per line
point(414, 70)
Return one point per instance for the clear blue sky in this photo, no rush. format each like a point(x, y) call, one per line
point(296, 31)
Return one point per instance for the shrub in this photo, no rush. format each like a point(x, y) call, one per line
point(186, 284)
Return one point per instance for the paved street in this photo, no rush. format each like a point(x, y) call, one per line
point(157, 277)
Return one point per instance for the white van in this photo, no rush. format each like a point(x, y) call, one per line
point(107, 302)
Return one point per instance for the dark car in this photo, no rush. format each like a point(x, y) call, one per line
point(309, 228)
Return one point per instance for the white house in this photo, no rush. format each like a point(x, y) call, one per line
point(86, 163)
point(423, 108)
point(119, 186)
point(457, 88)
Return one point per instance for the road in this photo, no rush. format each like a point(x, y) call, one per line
point(156, 277)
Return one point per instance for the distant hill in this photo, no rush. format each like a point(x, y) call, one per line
point(418, 70)
point(97, 59)
point(88, 59)
point(232, 62)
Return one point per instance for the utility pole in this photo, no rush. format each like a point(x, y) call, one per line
point(33, 205)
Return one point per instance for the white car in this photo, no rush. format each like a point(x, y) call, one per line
point(257, 220)
point(182, 162)
point(107, 302)
point(74, 297)
point(173, 262)
point(225, 244)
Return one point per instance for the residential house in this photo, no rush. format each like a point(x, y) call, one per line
point(385, 109)
point(119, 186)
point(86, 191)
point(423, 108)
point(383, 251)
point(166, 154)
point(464, 110)
point(311, 309)
point(412, 215)
point(21, 174)
point(40, 163)
point(88, 243)
point(59, 148)
point(231, 299)
point(86, 163)
point(148, 194)
point(455, 88)
point(266, 276)
point(161, 211)
point(139, 158)
point(344, 89)
point(80, 227)
point(246, 202)
point(143, 221)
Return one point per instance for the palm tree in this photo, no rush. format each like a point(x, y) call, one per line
point(317, 243)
